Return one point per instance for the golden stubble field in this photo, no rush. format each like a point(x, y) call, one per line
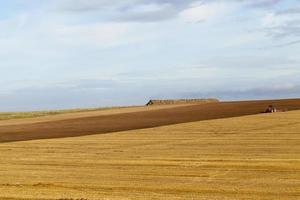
point(252, 157)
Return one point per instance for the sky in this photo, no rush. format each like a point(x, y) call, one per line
point(57, 54)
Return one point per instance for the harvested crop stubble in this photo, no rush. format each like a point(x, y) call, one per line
point(252, 157)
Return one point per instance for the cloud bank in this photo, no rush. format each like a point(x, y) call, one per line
point(79, 53)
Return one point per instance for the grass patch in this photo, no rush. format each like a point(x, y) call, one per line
point(32, 114)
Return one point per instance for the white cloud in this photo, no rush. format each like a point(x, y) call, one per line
point(242, 39)
point(202, 12)
point(104, 35)
point(148, 8)
point(281, 25)
point(273, 20)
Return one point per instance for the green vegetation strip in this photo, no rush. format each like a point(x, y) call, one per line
point(21, 115)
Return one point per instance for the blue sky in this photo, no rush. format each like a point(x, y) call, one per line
point(86, 53)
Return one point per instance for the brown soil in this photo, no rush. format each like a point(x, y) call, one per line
point(88, 125)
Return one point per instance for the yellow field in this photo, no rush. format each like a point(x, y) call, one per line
point(253, 157)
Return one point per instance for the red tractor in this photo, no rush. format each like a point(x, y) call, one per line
point(271, 109)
